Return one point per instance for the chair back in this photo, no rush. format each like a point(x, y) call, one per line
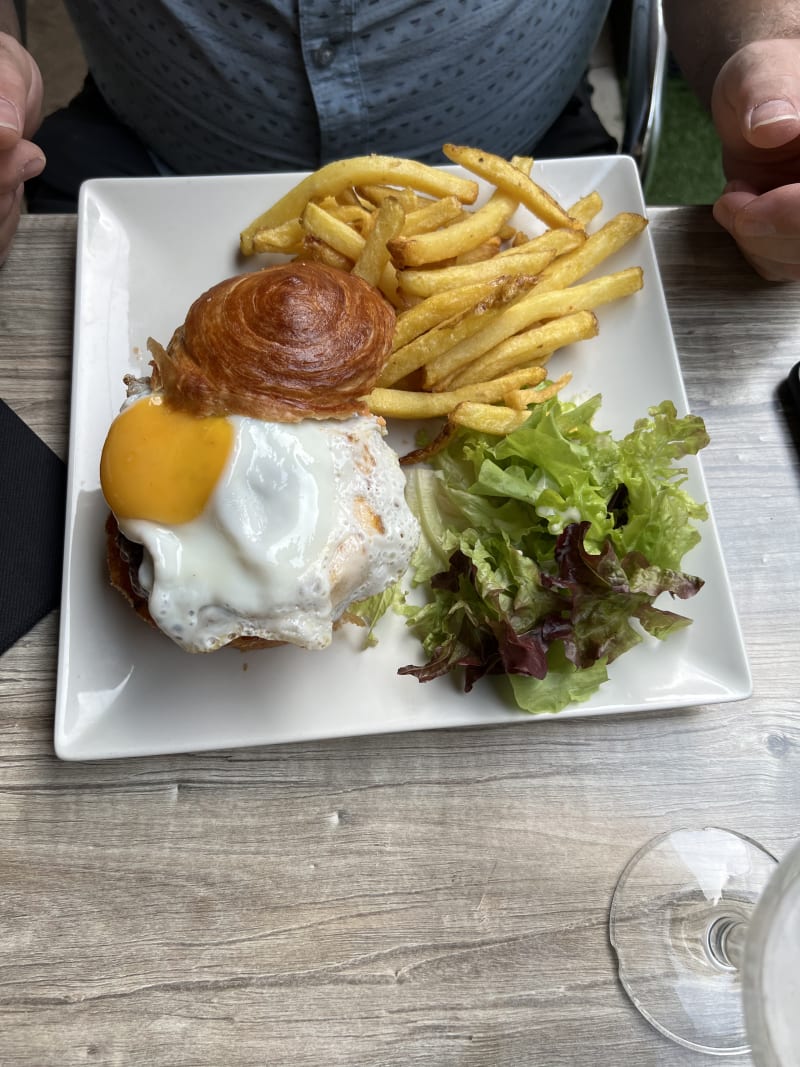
point(647, 64)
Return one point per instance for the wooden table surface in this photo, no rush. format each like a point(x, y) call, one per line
point(427, 898)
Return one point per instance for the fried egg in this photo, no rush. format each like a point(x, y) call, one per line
point(253, 528)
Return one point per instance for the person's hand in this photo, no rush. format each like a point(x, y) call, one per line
point(756, 110)
point(20, 112)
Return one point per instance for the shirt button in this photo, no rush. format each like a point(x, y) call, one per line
point(324, 55)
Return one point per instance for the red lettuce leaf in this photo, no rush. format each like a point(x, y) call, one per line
point(589, 603)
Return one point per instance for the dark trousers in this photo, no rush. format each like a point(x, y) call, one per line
point(81, 141)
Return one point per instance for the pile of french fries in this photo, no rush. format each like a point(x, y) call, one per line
point(481, 305)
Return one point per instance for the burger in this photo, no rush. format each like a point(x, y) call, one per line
point(253, 497)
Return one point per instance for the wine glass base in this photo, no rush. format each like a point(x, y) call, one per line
point(677, 923)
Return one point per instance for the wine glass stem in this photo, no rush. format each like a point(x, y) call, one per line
point(725, 940)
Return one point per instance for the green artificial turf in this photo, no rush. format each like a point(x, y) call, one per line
point(686, 168)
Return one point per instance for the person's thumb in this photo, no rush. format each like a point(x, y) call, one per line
point(757, 94)
point(20, 92)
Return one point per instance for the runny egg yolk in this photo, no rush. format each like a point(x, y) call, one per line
point(161, 464)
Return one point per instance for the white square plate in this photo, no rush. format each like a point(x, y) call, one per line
point(146, 249)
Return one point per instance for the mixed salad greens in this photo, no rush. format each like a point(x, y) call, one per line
point(543, 552)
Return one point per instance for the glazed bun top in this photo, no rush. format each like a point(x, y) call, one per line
point(295, 341)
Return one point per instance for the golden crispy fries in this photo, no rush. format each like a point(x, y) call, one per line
point(332, 230)
point(447, 332)
point(435, 343)
point(482, 301)
point(376, 194)
point(535, 306)
point(556, 242)
point(374, 256)
point(520, 399)
point(286, 239)
point(595, 249)
point(524, 260)
point(405, 404)
point(488, 418)
point(354, 213)
point(530, 347)
point(504, 175)
point(332, 233)
point(466, 233)
point(346, 196)
point(432, 215)
point(587, 208)
point(320, 252)
point(359, 170)
point(358, 217)
point(480, 253)
point(444, 305)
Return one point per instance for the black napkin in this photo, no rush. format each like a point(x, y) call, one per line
point(793, 384)
point(32, 497)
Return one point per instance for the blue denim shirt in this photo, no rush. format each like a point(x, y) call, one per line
point(230, 86)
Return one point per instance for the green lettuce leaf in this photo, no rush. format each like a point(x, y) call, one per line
point(369, 611)
point(544, 551)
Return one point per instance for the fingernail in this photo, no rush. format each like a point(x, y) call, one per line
point(721, 214)
point(9, 116)
point(772, 111)
point(752, 226)
point(32, 168)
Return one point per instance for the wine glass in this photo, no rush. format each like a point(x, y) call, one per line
point(706, 927)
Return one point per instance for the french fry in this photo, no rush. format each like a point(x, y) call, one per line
point(346, 196)
point(587, 208)
point(376, 194)
point(466, 233)
point(533, 346)
point(355, 214)
point(555, 241)
point(616, 233)
point(333, 231)
point(488, 418)
point(435, 343)
point(447, 332)
point(523, 261)
point(431, 215)
point(286, 239)
point(320, 252)
point(374, 256)
point(535, 306)
point(513, 182)
point(481, 253)
point(481, 304)
point(520, 399)
point(405, 404)
point(359, 170)
point(444, 305)
point(342, 239)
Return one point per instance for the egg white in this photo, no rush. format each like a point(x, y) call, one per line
point(305, 519)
